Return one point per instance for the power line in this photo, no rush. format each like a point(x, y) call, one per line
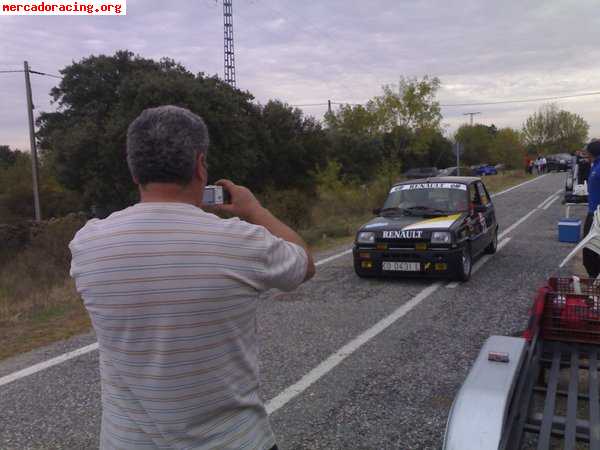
point(527, 100)
point(46, 74)
point(498, 102)
point(32, 71)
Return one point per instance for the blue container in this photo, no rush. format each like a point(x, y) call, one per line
point(569, 230)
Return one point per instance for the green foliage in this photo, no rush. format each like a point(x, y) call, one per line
point(16, 192)
point(401, 128)
point(293, 206)
point(476, 144)
point(508, 148)
point(44, 262)
point(100, 95)
point(551, 130)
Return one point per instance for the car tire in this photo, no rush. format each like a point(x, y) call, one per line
point(493, 247)
point(465, 265)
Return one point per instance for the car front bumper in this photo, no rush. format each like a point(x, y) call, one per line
point(432, 262)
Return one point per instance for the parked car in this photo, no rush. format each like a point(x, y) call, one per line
point(576, 181)
point(428, 227)
point(421, 172)
point(559, 162)
point(453, 172)
point(484, 169)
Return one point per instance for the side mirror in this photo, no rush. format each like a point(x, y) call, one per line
point(377, 211)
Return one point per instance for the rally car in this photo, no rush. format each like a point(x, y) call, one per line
point(428, 227)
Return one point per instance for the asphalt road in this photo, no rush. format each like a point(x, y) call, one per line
point(392, 392)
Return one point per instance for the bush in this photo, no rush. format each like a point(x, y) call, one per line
point(42, 265)
point(291, 206)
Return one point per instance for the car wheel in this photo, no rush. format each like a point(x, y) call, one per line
point(493, 247)
point(465, 265)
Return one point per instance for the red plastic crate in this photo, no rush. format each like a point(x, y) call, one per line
point(569, 316)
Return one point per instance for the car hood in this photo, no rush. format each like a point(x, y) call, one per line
point(407, 223)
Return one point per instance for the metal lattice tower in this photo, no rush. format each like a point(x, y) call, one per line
point(228, 30)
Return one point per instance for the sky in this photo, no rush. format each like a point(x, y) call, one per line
point(344, 50)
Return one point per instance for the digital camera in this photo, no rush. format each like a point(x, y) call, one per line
point(215, 195)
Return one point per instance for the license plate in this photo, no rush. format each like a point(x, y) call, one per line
point(401, 266)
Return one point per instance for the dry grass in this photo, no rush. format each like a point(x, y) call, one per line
point(504, 180)
point(45, 316)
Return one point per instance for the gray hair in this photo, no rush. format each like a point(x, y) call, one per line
point(163, 145)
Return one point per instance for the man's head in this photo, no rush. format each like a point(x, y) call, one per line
point(593, 148)
point(167, 146)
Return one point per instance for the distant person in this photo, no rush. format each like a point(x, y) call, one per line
point(591, 260)
point(538, 165)
point(543, 163)
point(172, 292)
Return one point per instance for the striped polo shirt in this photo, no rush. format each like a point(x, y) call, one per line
point(172, 292)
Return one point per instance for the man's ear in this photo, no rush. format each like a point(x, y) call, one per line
point(202, 168)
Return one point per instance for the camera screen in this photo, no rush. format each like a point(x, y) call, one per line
point(208, 196)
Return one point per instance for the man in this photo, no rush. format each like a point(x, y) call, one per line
point(591, 260)
point(172, 293)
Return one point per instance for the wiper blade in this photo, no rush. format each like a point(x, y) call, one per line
point(394, 208)
point(427, 210)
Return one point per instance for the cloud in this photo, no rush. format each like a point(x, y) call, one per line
point(344, 50)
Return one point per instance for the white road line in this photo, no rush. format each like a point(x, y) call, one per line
point(331, 258)
point(89, 348)
point(517, 186)
point(49, 363)
point(326, 366)
point(525, 217)
point(479, 264)
point(550, 203)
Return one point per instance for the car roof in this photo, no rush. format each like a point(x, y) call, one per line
point(460, 180)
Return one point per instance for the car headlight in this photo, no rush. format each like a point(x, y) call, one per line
point(441, 237)
point(366, 237)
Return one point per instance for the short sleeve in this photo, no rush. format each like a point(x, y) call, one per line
point(285, 264)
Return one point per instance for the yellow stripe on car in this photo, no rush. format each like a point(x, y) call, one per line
point(436, 222)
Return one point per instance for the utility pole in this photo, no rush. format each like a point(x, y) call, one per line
point(471, 114)
point(329, 106)
point(34, 161)
point(228, 44)
point(458, 149)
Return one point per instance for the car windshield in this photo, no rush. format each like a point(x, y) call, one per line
point(425, 199)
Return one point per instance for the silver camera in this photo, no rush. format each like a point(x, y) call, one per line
point(215, 195)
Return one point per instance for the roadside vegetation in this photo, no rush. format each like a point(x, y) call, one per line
point(322, 178)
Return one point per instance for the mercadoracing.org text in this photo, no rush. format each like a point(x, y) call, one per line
point(62, 7)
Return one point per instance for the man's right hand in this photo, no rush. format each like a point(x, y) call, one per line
point(245, 206)
point(243, 202)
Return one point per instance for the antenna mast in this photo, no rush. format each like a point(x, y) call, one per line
point(228, 44)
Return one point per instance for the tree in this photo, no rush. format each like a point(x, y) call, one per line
point(553, 130)
point(16, 192)
point(508, 148)
point(413, 105)
point(99, 96)
point(410, 104)
point(400, 127)
point(292, 146)
point(476, 141)
point(9, 157)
